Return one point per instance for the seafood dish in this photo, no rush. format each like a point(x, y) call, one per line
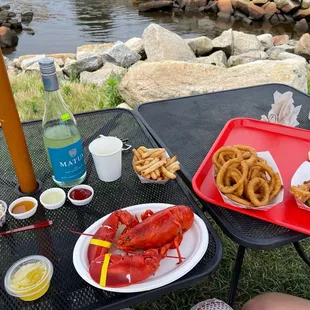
point(244, 177)
point(302, 192)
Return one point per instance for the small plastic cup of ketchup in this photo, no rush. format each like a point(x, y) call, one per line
point(81, 195)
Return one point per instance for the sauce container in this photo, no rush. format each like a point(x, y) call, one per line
point(3, 209)
point(23, 208)
point(81, 195)
point(53, 198)
point(29, 278)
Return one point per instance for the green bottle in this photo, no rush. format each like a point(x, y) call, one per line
point(61, 137)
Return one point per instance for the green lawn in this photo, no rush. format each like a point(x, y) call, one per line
point(279, 270)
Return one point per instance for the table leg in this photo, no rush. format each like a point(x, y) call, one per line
point(301, 253)
point(235, 276)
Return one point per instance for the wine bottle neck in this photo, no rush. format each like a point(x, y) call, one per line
point(50, 82)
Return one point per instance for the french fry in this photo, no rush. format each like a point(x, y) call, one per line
point(158, 153)
point(148, 176)
point(153, 175)
point(171, 160)
point(166, 173)
point(157, 173)
point(160, 179)
point(148, 153)
point(139, 169)
point(137, 154)
point(152, 168)
point(144, 161)
point(174, 169)
point(140, 152)
point(172, 165)
point(143, 149)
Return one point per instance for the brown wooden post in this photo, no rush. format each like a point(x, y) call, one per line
point(14, 134)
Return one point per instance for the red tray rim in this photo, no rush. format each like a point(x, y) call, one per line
point(254, 214)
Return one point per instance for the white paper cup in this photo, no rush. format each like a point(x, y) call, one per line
point(107, 156)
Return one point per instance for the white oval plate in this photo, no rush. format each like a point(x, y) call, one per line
point(193, 247)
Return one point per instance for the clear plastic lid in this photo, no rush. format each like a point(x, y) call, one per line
point(18, 267)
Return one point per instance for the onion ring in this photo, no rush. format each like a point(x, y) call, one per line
point(232, 150)
point(252, 195)
point(247, 151)
point(240, 200)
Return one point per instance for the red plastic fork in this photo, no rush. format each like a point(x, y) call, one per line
point(34, 226)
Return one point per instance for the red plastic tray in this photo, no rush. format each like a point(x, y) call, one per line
point(289, 147)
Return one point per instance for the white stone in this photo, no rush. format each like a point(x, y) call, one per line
point(35, 67)
point(243, 42)
point(75, 67)
point(86, 51)
point(224, 42)
point(286, 55)
point(169, 79)
point(161, 44)
point(100, 76)
point(136, 45)
point(120, 55)
point(28, 62)
point(305, 4)
point(124, 106)
point(246, 58)
point(265, 40)
point(216, 59)
point(201, 46)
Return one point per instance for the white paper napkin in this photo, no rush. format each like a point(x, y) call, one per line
point(282, 110)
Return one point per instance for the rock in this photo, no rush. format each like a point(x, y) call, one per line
point(302, 14)
point(301, 25)
point(224, 42)
point(31, 60)
point(5, 7)
point(216, 59)
point(155, 6)
point(29, 30)
point(260, 2)
point(286, 5)
point(137, 46)
point(305, 4)
point(11, 14)
point(59, 62)
point(27, 17)
point(211, 7)
point(161, 80)
point(124, 106)
point(247, 57)
point(280, 40)
point(276, 50)
point(75, 67)
point(8, 38)
point(120, 55)
point(191, 7)
point(286, 55)
point(270, 10)
point(201, 46)
point(89, 50)
point(303, 46)
point(15, 24)
point(100, 76)
point(265, 40)
point(243, 42)
point(255, 11)
point(35, 67)
point(11, 70)
point(242, 5)
point(162, 44)
point(225, 6)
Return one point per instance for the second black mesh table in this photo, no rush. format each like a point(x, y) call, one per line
point(68, 290)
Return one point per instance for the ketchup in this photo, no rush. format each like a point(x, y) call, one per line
point(80, 194)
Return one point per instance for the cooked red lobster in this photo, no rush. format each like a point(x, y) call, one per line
point(155, 235)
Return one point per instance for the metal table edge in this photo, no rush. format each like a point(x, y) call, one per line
point(248, 242)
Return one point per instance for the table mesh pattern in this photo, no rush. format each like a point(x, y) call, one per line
point(68, 290)
point(189, 127)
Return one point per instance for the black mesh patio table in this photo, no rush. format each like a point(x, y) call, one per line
point(189, 126)
point(68, 290)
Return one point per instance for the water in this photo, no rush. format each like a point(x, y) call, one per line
point(62, 25)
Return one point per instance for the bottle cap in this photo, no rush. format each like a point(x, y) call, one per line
point(47, 66)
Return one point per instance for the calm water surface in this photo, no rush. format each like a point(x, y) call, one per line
point(65, 24)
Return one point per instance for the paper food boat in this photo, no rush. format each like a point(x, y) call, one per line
point(302, 174)
point(277, 200)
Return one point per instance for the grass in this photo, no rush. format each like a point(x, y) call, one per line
point(29, 95)
point(280, 270)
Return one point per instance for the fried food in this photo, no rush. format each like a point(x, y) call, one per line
point(244, 177)
point(302, 192)
point(153, 164)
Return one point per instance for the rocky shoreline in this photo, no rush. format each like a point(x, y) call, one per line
point(286, 11)
point(162, 65)
point(10, 25)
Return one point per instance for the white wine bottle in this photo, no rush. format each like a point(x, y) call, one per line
point(61, 137)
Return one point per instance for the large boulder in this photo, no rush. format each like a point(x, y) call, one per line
point(162, 44)
point(201, 46)
point(27, 17)
point(155, 6)
point(136, 45)
point(302, 14)
point(286, 5)
point(242, 5)
point(270, 9)
point(255, 11)
point(280, 40)
point(301, 25)
point(286, 55)
point(75, 67)
point(216, 59)
point(265, 40)
point(274, 51)
point(120, 55)
point(169, 79)
point(8, 37)
point(305, 4)
point(243, 42)
point(303, 46)
point(225, 6)
point(35, 67)
point(224, 42)
point(89, 50)
point(26, 62)
point(100, 76)
point(247, 57)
